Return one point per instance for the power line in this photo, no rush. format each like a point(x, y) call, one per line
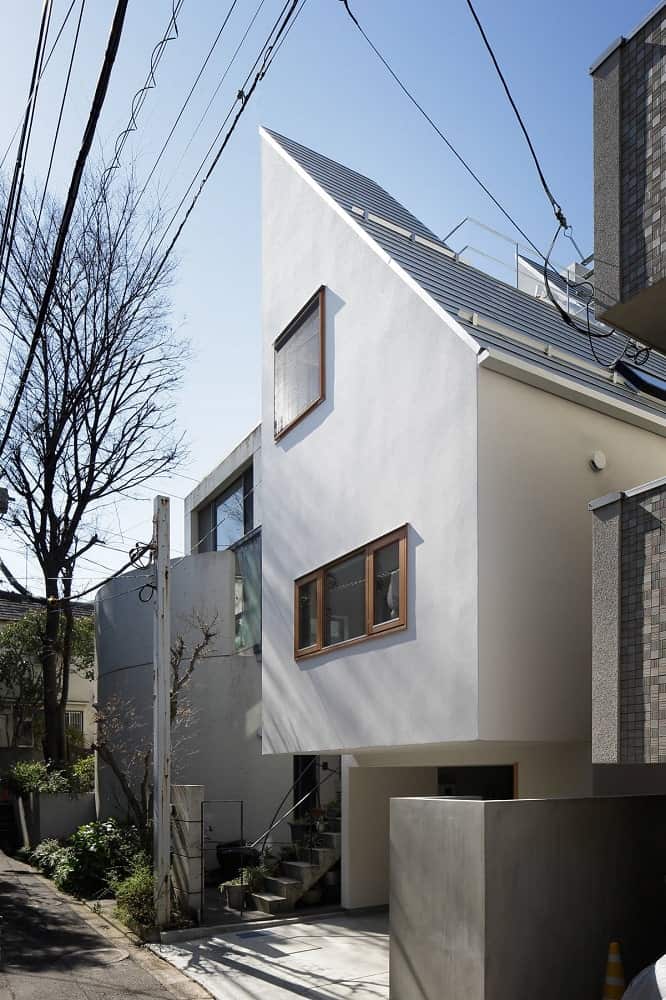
point(43, 198)
point(559, 214)
point(188, 98)
point(16, 187)
point(88, 135)
point(140, 96)
point(264, 61)
point(439, 132)
point(44, 68)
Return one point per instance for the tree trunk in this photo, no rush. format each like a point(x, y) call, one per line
point(54, 719)
point(66, 655)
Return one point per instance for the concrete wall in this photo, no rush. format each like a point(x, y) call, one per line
point(572, 874)
point(366, 796)
point(535, 553)
point(221, 747)
point(393, 442)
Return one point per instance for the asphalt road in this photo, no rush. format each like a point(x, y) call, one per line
point(54, 949)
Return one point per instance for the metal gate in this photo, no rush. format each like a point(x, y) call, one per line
point(232, 818)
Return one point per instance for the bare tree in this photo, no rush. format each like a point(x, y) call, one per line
point(124, 739)
point(96, 416)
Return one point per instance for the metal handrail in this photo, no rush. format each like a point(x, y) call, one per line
point(264, 836)
point(286, 795)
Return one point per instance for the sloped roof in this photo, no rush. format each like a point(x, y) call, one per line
point(14, 606)
point(533, 329)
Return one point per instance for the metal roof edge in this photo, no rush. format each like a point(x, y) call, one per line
point(559, 385)
point(604, 501)
point(645, 487)
point(450, 321)
point(626, 38)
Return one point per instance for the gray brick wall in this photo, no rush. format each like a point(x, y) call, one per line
point(642, 674)
point(643, 148)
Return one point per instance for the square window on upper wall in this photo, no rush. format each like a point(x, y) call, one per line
point(299, 380)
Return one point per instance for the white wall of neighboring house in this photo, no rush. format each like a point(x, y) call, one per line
point(221, 749)
point(535, 552)
point(393, 442)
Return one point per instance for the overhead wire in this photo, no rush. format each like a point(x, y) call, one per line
point(43, 70)
point(13, 201)
point(437, 129)
point(68, 210)
point(43, 198)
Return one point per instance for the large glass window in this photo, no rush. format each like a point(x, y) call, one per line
point(299, 365)
point(358, 596)
point(247, 593)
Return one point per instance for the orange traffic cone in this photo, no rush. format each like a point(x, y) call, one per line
point(614, 984)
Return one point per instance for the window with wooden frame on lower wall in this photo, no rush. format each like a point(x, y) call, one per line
point(356, 597)
point(299, 377)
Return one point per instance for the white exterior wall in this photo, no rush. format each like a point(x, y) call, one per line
point(535, 552)
point(393, 442)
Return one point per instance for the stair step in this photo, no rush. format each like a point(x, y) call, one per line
point(290, 889)
point(331, 839)
point(325, 856)
point(269, 902)
point(302, 871)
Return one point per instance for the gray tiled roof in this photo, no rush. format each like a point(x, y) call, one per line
point(456, 285)
point(14, 606)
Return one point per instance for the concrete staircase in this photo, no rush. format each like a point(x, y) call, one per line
point(283, 890)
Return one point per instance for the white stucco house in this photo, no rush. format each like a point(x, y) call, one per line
point(430, 439)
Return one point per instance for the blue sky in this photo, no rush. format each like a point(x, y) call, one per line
point(328, 91)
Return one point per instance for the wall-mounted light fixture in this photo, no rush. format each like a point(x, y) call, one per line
point(598, 461)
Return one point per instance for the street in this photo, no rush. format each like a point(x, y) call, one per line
point(55, 948)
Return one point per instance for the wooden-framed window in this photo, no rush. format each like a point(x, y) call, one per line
point(360, 595)
point(298, 367)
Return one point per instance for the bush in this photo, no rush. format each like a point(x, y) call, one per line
point(134, 896)
point(46, 856)
point(36, 776)
point(97, 856)
point(83, 774)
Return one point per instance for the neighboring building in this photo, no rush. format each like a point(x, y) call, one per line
point(17, 739)
point(629, 631)
point(220, 581)
point(430, 440)
point(629, 187)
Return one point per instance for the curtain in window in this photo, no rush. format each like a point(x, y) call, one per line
point(297, 372)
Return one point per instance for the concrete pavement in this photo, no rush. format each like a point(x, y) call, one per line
point(56, 949)
point(336, 957)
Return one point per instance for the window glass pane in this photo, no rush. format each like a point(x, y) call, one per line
point(307, 614)
point(344, 586)
point(248, 593)
point(387, 584)
point(229, 513)
point(297, 371)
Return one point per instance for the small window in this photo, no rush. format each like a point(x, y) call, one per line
point(229, 517)
point(299, 365)
point(25, 734)
point(74, 720)
point(358, 596)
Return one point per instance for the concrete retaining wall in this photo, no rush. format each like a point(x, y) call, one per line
point(42, 816)
point(521, 899)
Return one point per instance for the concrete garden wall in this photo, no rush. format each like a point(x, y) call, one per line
point(42, 816)
point(521, 899)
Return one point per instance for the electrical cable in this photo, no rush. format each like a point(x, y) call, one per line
point(216, 91)
point(68, 210)
point(43, 198)
point(187, 99)
point(559, 214)
point(139, 97)
point(244, 96)
point(16, 187)
point(44, 68)
point(439, 132)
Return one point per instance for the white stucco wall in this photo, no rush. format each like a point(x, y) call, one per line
point(535, 552)
point(221, 749)
point(393, 442)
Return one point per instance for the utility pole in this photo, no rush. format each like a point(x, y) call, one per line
point(161, 714)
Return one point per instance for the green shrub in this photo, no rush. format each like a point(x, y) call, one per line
point(47, 855)
point(97, 856)
point(36, 776)
point(83, 774)
point(134, 896)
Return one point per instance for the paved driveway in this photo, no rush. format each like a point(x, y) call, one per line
point(329, 958)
